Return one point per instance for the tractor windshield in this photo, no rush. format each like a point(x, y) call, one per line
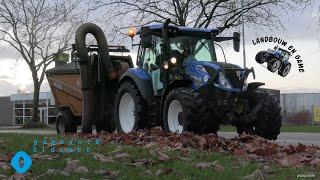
point(196, 48)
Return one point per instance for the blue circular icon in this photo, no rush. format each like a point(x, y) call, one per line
point(19, 166)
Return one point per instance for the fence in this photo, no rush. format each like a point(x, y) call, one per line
point(297, 108)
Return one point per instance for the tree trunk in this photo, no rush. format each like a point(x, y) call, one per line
point(36, 89)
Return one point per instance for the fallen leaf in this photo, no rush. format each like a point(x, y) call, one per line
point(140, 162)
point(162, 156)
point(44, 157)
point(149, 145)
point(301, 148)
point(239, 152)
point(214, 165)
point(257, 174)
point(121, 155)
point(184, 158)
point(203, 165)
point(291, 160)
point(2, 176)
point(5, 166)
point(217, 167)
point(72, 165)
point(165, 171)
point(315, 162)
point(146, 172)
point(102, 158)
point(17, 177)
point(82, 169)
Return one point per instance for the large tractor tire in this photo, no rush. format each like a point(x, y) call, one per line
point(261, 57)
point(65, 122)
point(185, 110)
point(130, 108)
point(267, 122)
point(285, 69)
point(274, 64)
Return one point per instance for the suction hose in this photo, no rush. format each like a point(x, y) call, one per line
point(85, 69)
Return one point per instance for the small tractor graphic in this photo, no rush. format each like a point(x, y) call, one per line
point(277, 60)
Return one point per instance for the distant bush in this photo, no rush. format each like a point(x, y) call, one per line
point(300, 118)
point(31, 124)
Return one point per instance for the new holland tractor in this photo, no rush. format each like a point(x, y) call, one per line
point(277, 59)
point(178, 84)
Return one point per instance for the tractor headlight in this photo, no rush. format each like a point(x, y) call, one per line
point(223, 81)
point(166, 65)
point(173, 60)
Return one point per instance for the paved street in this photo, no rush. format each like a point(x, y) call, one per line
point(286, 138)
point(283, 138)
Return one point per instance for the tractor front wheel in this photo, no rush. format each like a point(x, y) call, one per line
point(274, 65)
point(129, 109)
point(185, 110)
point(261, 57)
point(267, 122)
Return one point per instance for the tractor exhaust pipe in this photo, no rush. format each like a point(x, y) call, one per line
point(86, 67)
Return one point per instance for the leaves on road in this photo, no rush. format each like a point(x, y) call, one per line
point(246, 146)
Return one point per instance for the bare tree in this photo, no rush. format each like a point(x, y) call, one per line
point(38, 30)
point(195, 13)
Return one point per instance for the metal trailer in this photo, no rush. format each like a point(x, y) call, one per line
point(65, 83)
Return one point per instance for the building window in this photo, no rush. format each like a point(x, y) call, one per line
point(18, 104)
point(22, 111)
point(18, 120)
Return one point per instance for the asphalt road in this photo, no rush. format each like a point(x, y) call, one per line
point(283, 139)
point(286, 138)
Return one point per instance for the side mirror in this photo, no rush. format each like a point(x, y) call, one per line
point(236, 41)
point(146, 38)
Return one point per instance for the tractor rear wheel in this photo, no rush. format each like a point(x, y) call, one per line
point(129, 109)
point(274, 64)
point(267, 122)
point(185, 110)
point(65, 122)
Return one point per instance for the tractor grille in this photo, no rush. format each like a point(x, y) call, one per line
point(233, 77)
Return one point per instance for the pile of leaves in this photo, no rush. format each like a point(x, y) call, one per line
point(249, 147)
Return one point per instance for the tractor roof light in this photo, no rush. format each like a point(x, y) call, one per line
point(173, 60)
point(132, 32)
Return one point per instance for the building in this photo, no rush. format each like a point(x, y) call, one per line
point(17, 109)
point(297, 107)
point(6, 115)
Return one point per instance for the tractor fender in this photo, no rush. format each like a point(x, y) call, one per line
point(254, 85)
point(141, 80)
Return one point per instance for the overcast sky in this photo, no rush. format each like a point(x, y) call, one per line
point(301, 31)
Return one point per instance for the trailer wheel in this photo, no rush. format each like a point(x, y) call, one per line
point(185, 111)
point(261, 57)
point(129, 109)
point(267, 122)
point(284, 70)
point(274, 64)
point(65, 122)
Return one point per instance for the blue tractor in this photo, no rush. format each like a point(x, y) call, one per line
point(277, 59)
point(180, 85)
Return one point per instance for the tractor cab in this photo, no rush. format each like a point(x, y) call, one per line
point(169, 53)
